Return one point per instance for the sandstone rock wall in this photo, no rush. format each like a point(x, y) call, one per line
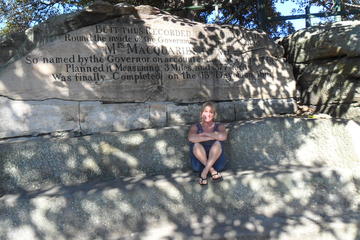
point(326, 65)
point(26, 118)
point(117, 68)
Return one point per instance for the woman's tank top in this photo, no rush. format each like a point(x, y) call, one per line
point(200, 130)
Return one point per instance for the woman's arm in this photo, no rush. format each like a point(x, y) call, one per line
point(220, 135)
point(194, 137)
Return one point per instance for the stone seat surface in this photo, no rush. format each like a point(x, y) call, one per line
point(272, 142)
point(287, 179)
point(280, 204)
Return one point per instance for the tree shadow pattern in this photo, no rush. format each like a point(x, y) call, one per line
point(259, 203)
point(271, 198)
point(328, 75)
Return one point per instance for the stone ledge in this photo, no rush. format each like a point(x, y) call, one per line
point(22, 118)
point(259, 144)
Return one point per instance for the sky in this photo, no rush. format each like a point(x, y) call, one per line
point(285, 10)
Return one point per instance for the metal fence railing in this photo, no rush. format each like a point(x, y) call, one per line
point(263, 20)
point(337, 11)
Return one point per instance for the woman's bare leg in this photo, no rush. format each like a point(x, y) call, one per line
point(214, 154)
point(200, 153)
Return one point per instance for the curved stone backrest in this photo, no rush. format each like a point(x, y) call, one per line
point(265, 143)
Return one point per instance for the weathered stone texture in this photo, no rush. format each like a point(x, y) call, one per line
point(127, 68)
point(158, 115)
point(143, 54)
point(226, 111)
point(22, 118)
point(19, 118)
point(328, 82)
point(323, 42)
point(20, 44)
point(265, 143)
point(181, 114)
point(326, 61)
point(97, 117)
point(257, 108)
point(314, 203)
point(347, 111)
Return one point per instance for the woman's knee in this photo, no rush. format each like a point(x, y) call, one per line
point(217, 142)
point(198, 148)
point(196, 145)
point(217, 145)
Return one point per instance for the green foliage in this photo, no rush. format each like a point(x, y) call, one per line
point(245, 14)
point(18, 15)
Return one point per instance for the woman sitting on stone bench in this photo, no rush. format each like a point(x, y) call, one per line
point(206, 145)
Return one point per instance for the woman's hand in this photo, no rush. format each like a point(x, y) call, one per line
point(194, 137)
point(220, 135)
point(200, 137)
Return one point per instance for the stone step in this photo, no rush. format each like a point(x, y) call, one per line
point(279, 204)
point(271, 142)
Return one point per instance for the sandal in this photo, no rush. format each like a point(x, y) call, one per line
point(217, 179)
point(203, 181)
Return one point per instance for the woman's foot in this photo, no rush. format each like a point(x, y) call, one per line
point(203, 181)
point(203, 178)
point(215, 176)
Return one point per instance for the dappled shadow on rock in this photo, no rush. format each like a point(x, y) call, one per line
point(59, 188)
point(246, 205)
point(325, 61)
point(277, 195)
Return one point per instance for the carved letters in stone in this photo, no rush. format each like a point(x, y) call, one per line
point(158, 59)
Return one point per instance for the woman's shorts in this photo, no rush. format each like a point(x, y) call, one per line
point(197, 166)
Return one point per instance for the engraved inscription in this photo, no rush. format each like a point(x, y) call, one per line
point(139, 53)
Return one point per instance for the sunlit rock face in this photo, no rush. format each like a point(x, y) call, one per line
point(326, 63)
point(141, 55)
point(117, 68)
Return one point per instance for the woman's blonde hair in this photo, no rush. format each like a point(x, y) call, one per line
point(208, 104)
